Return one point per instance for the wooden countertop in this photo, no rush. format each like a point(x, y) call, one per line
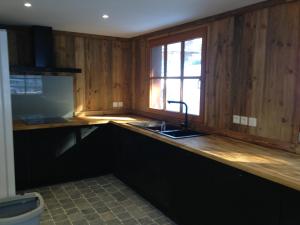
point(76, 121)
point(272, 164)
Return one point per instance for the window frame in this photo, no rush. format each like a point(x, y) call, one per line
point(170, 39)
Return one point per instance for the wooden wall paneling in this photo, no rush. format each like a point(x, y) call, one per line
point(141, 76)
point(126, 75)
point(242, 57)
point(106, 85)
point(251, 71)
point(296, 119)
point(248, 66)
point(20, 46)
point(133, 75)
point(218, 17)
point(121, 72)
point(219, 73)
point(79, 79)
point(98, 74)
point(116, 71)
point(64, 51)
point(256, 26)
point(281, 71)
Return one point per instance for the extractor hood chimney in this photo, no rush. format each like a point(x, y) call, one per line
point(43, 54)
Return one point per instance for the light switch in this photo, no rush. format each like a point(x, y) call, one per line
point(121, 104)
point(236, 119)
point(244, 120)
point(252, 122)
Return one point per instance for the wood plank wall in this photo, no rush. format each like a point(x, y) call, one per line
point(105, 64)
point(252, 70)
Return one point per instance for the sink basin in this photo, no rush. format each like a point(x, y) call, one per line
point(170, 131)
point(168, 127)
point(175, 134)
point(154, 126)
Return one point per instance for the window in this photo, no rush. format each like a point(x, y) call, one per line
point(177, 66)
point(26, 85)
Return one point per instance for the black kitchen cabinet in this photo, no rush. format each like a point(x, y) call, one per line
point(191, 182)
point(49, 156)
point(290, 207)
point(21, 157)
point(192, 189)
point(144, 164)
point(95, 151)
point(34, 159)
point(240, 197)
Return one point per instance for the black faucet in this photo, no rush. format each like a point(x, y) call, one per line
point(185, 124)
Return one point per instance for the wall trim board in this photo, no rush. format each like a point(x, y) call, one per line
point(203, 21)
point(267, 142)
point(7, 170)
point(86, 35)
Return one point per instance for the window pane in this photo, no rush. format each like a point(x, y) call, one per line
point(157, 61)
point(192, 57)
point(157, 94)
point(191, 95)
point(174, 60)
point(173, 93)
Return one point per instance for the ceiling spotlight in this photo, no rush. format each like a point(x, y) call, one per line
point(105, 16)
point(27, 4)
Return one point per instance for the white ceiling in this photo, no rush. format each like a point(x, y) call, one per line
point(128, 18)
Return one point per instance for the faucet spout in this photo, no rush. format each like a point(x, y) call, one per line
point(185, 124)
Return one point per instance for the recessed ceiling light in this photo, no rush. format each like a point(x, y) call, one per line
point(27, 4)
point(105, 16)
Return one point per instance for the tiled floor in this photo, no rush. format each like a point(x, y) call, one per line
point(102, 200)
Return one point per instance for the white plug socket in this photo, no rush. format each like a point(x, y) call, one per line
point(252, 122)
point(244, 120)
point(236, 119)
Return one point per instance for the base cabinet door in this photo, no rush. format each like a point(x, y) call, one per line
point(144, 164)
point(21, 157)
point(290, 214)
point(242, 198)
point(191, 183)
point(40, 145)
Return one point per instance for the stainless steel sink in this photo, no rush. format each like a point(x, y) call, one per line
point(168, 130)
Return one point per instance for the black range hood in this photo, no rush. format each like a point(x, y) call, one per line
point(43, 55)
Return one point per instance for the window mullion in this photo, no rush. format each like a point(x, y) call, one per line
point(181, 74)
point(165, 75)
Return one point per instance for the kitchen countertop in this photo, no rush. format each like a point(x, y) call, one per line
point(19, 125)
point(272, 164)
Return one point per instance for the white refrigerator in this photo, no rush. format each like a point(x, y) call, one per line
point(7, 171)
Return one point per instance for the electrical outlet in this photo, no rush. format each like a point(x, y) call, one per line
point(121, 104)
point(244, 120)
point(236, 119)
point(252, 122)
point(115, 104)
